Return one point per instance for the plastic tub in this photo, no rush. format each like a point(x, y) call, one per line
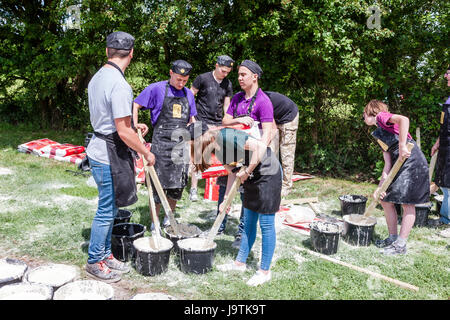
point(358, 230)
point(324, 237)
point(194, 258)
point(123, 235)
point(152, 260)
point(353, 204)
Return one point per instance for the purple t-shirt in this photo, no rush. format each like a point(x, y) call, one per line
point(152, 98)
point(448, 101)
point(262, 108)
point(383, 122)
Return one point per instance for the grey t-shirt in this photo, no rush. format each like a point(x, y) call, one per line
point(110, 97)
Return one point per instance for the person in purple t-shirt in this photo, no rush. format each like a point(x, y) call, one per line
point(172, 108)
point(246, 107)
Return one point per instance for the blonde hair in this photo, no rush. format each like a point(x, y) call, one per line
point(374, 107)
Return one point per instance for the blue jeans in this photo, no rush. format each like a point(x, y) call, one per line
point(222, 190)
point(267, 224)
point(100, 242)
point(445, 214)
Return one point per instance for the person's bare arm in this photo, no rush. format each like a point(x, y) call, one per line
point(387, 167)
point(228, 120)
point(142, 126)
point(403, 124)
point(226, 104)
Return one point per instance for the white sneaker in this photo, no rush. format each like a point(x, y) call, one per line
point(231, 267)
point(166, 221)
point(259, 278)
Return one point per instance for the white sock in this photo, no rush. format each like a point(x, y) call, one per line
point(401, 242)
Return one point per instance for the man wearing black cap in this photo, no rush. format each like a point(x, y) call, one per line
point(172, 107)
point(109, 154)
point(213, 93)
point(246, 107)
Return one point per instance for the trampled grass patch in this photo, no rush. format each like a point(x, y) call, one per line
point(46, 214)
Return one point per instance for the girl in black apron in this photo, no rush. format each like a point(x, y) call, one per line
point(410, 186)
point(171, 168)
point(262, 191)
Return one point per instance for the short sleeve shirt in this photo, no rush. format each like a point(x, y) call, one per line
point(262, 109)
point(231, 146)
point(284, 109)
point(152, 98)
point(210, 97)
point(110, 97)
point(383, 122)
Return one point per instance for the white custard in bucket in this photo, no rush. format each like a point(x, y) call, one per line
point(360, 220)
point(195, 244)
point(148, 244)
point(26, 291)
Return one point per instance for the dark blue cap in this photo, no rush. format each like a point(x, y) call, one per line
point(181, 67)
point(225, 61)
point(120, 40)
point(253, 67)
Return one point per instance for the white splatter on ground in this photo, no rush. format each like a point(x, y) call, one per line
point(5, 171)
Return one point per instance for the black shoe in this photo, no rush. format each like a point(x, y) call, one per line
point(220, 232)
point(384, 243)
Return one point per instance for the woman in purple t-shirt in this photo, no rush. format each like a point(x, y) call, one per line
point(410, 186)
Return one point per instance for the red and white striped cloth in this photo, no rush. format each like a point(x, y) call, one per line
point(139, 166)
point(47, 148)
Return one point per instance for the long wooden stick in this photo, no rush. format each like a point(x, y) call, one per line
point(386, 183)
point(151, 200)
point(432, 165)
point(399, 283)
point(299, 201)
point(228, 199)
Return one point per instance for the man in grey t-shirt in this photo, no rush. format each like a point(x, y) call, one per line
point(109, 154)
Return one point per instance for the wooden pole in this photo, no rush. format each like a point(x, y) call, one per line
point(151, 200)
point(229, 198)
point(398, 283)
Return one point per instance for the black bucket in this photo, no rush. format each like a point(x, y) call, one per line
point(122, 238)
point(422, 212)
point(149, 261)
point(358, 230)
point(399, 209)
point(123, 216)
point(194, 258)
point(324, 237)
point(87, 138)
point(438, 200)
point(194, 232)
point(352, 204)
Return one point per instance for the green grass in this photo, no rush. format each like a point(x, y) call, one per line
point(46, 215)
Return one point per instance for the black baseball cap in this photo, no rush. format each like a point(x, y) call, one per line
point(181, 67)
point(120, 40)
point(225, 61)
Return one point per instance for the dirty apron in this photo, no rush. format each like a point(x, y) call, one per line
point(442, 177)
point(174, 115)
point(262, 191)
point(411, 184)
point(121, 160)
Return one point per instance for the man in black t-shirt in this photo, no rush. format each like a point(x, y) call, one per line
point(285, 114)
point(213, 93)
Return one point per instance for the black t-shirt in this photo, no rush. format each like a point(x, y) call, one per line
point(284, 109)
point(210, 97)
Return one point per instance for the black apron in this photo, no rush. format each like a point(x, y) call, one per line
point(122, 165)
point(442, 177)
point(262, 191)
point(411, 184)
point(174, 115)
